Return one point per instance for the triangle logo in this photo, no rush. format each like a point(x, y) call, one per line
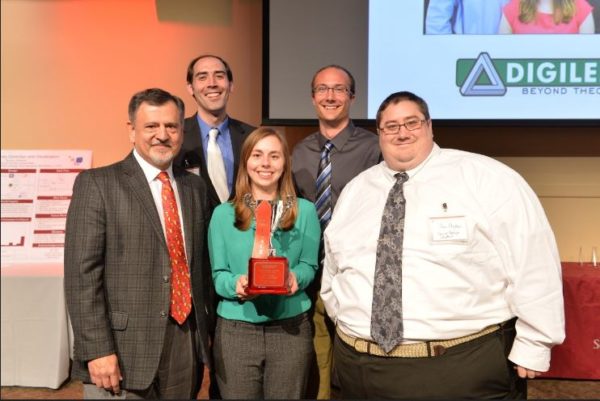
point(483, 70)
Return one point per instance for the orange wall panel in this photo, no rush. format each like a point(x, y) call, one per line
point(69, 68)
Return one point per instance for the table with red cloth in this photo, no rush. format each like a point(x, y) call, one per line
point(579, 356)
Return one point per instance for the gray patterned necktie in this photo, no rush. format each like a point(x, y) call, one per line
point(386, 313)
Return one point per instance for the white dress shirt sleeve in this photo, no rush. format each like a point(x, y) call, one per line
point(527, 247)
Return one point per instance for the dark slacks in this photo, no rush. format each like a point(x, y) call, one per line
point(476, 369)
point(179, 372)
point(255, 361)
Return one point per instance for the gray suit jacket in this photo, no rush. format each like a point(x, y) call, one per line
point(117, 268)
point(192, 154)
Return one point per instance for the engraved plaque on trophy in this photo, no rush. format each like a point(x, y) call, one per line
point(267, 273)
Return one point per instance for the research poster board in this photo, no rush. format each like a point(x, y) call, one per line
point(36, 191)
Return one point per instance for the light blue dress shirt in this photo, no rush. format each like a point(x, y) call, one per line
point(224, 142)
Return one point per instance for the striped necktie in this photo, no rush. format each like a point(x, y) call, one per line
point(323, 198)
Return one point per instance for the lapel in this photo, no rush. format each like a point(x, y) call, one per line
point(193, 139)
point(135, 178)
point(186, 197)
point(195, 153)
point(237, 138)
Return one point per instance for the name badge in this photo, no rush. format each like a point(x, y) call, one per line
point(194, 170)
point(451, 228)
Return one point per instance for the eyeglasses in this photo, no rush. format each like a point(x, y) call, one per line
point(324, 89)
point(394, 128)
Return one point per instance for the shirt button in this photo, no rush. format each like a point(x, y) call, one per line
point(163, 314)
point(165, 279)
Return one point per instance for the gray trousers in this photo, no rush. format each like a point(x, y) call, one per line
point(178, 371)
point(270, 360)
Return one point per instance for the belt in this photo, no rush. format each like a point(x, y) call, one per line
point(422, 349)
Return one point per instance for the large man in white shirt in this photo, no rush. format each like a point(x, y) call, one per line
point(481, 294)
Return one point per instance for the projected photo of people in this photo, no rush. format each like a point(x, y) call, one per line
point(596, 13)
point(547, 16)
point(469, 17)
point(489, 17)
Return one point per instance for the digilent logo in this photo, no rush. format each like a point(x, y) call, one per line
point(486, 77)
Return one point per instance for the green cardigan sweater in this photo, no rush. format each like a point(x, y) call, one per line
point(230, 249)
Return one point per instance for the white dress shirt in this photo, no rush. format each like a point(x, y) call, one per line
point(478, 250)
point(151, 173)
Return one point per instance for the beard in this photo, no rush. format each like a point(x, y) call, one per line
point(162, 159)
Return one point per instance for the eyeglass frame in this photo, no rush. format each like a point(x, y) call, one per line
point(420, 121)
point(337, 90)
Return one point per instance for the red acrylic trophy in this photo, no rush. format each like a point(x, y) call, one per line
point(267, 274)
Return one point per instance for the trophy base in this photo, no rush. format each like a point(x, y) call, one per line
point(268, 276)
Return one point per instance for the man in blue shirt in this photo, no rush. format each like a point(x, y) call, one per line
point(210, 82)
point(471, 17)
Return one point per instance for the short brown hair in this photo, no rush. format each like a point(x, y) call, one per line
point(398, 97)
point(190, 69)
point(352, 88)
point(154, 97)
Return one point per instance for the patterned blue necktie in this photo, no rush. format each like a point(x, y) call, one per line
point(386, 312)
point(323, 198)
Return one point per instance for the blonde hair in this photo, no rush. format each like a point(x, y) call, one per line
point(243, 185)
point(563, 10)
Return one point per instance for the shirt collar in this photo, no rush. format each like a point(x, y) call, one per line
point(150, 171)
point(204, 127)
point(340, 139)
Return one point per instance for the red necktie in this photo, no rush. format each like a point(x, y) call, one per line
point(181, 299)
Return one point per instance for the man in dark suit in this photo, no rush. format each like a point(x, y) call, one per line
point(210, 82)
point(128, 262)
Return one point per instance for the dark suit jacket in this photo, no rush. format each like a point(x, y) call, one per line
point(192, 155)
point(117, 268)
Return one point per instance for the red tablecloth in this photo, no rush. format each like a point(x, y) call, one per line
point(579, 356)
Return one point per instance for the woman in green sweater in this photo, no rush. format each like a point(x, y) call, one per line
point(263, 343)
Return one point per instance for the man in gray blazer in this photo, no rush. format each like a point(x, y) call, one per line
point(210, 82)
point(118, 264)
